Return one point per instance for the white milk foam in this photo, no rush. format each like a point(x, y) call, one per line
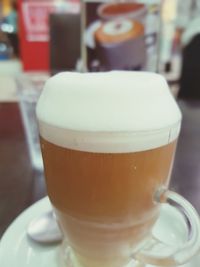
point(109, 112)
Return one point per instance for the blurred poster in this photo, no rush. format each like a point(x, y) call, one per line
point(36, 15)
point(121, 35)
point(34, 30)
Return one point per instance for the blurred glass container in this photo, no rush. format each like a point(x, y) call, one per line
point(29, 87)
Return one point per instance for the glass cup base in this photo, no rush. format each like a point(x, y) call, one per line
point(66, 258)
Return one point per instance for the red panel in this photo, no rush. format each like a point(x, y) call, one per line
point(35, 55)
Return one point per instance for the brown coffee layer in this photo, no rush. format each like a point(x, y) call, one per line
point(136, 32)
point(105, 187)
point(121, 8)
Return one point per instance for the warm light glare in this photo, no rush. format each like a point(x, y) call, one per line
point(6, 7)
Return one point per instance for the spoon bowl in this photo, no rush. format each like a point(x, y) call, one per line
point(45, 229)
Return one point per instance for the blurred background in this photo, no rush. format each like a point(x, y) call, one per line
point(39, 38)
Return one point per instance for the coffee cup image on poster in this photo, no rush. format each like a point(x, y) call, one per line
point(121, 35)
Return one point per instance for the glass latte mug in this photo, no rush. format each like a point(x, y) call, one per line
point(108, 142)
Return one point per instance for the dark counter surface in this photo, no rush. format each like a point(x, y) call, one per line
point(20, 185)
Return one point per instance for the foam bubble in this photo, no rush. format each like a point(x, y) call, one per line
point(115, 111)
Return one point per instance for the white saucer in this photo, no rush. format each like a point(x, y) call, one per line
point(16, 250)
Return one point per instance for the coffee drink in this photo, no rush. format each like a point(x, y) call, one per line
point(119, 31)
point(120, 44)
point(108, 141)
